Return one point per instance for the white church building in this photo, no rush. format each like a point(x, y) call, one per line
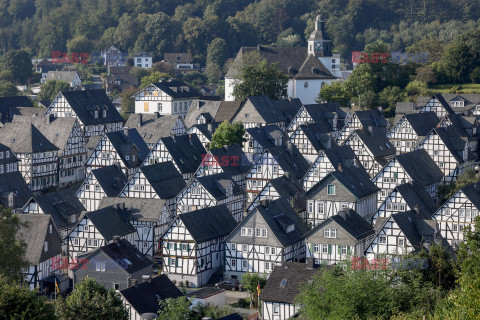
point(309, 68)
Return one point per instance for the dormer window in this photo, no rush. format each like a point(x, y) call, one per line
point(290, 228)
point(96, 114)
point(458, 104)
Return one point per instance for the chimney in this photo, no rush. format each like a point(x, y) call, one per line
point(288, 175)
point(120, 206)
point(370, 130)
point(116, 239)
point(132, 282)
point(139, 120)
point(125, 132)
point(48, 118)
point(340, 167)
point(417, 209)
point(157, 114)
point(264, 203)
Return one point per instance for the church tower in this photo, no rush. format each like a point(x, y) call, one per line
point(319, 44)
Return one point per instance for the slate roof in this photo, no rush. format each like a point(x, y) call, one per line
point(9, 103)
point(216, 184)
point(295, 273)
point(180, 57)
point(65, 76)
point(92, 144)
point(208, 223)
point(60, 205)
point(323, 114)
point(14, 182)
point(203, 128)
point(290, 160)
point(232, 153)
point(186, 151)
point(372, 118)
point(109, 222)
point(164, 179)
point(454, 141)
point(124, 140)
point(56, 130)
point(405, 107)
point(316, 134)
point(414, 228)
point(122, 251)
point(350, 221)
point(204, 292)
point(34, 236)
point(422, 123)
point(278, 214)
point(287, 189)
point(295, 62)
point(85, 102)
point(463, 124)
point(144, 297)
point(152, 127)
point(25, 138)
point(233, 316)
point(376, 142)
point(111, 179)
point(136, 208)
point(266, 135)
point(219, 111)
point(415, 194)
point(227, 110)
point(269, 111)
point(27, 111)
point(470, 101)
point(473, 194)
point(420, 167)
point(354, 179)
point(177, 89)
point(341, 154)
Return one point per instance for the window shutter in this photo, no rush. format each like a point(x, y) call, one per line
point(311, 247)
point(175, 246)
point(348, 249)
point(329, 249)
point(168, 261)
point(188, 247)
point(339, 249)
point(176, 262)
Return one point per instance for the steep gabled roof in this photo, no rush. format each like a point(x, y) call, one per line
point(9, 103)
point(415, 229)
point(25, 138)
point(472, 192)
point(316, 135)
point(164, 179)
point(124, 140)
point(111, 179)
point(372, 118)
point(216, 185)
point(110, 222)
point(238, 162)
point(376, 142)
point(15, 183)
point(420, 167)
point(186, 151)
point(290, 160)
point(177, 89)
point(84, 103)
point(453, 140)
point(289, 189)
point(152, 127)
point(136, 208)
point(266, 135)
point(422, 123)
point(208, 223)
point(414, 195)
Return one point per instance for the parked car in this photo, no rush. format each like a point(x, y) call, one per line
point(229, 285)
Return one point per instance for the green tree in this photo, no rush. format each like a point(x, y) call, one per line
point(389, 97)
point(17, 62)
point(50, 89)
point(416, 88)
point(153, 77)
point(12, 249)
point(426, 74)
point(164, 67)
point(91, 301)
point(334, 92)
point(174, 309)
point(128, 102)
point(261, 79)
point(228, 134)
point(7, 89)
point(446, 191)
point(79, 44)
point(217, 54)
point(250, 282)
point(126, 32)
point(18, 302)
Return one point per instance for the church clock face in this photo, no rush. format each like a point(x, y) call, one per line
point(318, 46)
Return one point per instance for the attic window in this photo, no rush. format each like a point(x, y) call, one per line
point(283, 283)
point(458, 104)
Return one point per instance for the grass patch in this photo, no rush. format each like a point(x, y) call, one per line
point(458, 88)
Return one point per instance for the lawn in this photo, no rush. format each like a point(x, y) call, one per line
point(457, 88)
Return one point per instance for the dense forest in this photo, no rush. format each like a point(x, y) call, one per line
point(42, 26)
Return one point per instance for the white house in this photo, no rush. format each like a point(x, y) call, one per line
point(143, 60)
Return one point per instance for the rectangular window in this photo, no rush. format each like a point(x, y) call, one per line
point(245, 248)
point(455, 227)
point(324, 248)
point(244, 264)
point(330, 233)
point(267, 250)
point(258, 232)
point(233, 263)
point(320, 208)
point(382, 239)
point(264, 232)
point(267, 266)
point(276, 309)
point(316, 248)
point(272, 250)
point(401, 242)
point(45, 246)
point(75, 241)
point(331, 189)
point(310, 207)
point(343, 250)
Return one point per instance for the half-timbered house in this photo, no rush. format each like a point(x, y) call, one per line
point(229, 159)
point(212, 190)
point(338, 238)
point(152, 127)
point(216, 111)
point(438, 105)
point(204, 133)
point(415, 166)
point(346, 188)
point(450, 151)
point(125, 148)
point(14, 192)
point(328, 161)
point(329, 116)
point(102, 182)
point(156, 181)
point(62, 205)
point(165, 97)
point(67, 135)
point(93, 109)
point(262, 111)
point(116, 266)
point(149, 217)
point(401, 233)
point(185, 151)
point(38, 156)
point(283, 285)
point(193, 245)
point(96, 229)
point(460, 103)
point(371, 147)
point(8, 106)
point(261, 137)
point(275, 162)
point(457, 213)
point(44, 247)
point(310, 140)
point(411, 129)
point(271, 234)
point(406, 197)
point(362, 120)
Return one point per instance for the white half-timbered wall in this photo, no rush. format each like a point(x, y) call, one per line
point(434, 105)
point(62, 109)
point(402, 136)
point(305, 147)
point(40, 170)
point(351, 124)
point(151, 99)
point(444, 159)
point(34, 273)
point(278, 310)
point(73, 157)
point(319, 169)
point(454, 215)
point(303, 117)
point(184, 259)
point(203, 138)
point(105, 155)
point(264, 170)
point(364, 155)
point(388, 242)
point(393, 203)
point(212, 165)
point(195, 197)
point(90, 192)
